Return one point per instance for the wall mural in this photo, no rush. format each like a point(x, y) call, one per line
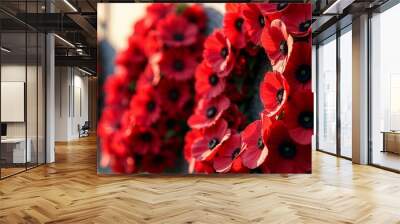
point(194, 92)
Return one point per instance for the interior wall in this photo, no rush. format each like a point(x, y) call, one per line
point(71, 102)
point(16, 72)
point(92, 107)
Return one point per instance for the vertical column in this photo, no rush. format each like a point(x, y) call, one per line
point(50, 92)
point(360, 90)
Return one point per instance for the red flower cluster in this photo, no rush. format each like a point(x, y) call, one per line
point(225, 135)
point(150, 96)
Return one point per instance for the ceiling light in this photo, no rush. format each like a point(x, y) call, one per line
point(84, 71)
point(331, 7)
point(65, 41)
point(337, 7)
point(5, 50)
point(70, 5)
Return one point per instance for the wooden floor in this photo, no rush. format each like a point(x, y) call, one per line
point(70, 191)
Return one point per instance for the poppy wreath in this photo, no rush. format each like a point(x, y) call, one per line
point(150, 97)
point(254, 105)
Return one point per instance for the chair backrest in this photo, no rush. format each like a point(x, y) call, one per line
point(86, 125)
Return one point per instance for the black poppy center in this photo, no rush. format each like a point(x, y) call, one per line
point(212, 143)
point(173, 95)
point(146, 137)
point(151, 105)
point(179, 37)
point(287, 150)
point(283, 47)
point(260, 143)
point(261, 20)
point(303, 73)
point(281, 6)
point(306, 119)
point(224, 52)
point(213, 80)
point(303, 27)
point(158, 159)
point(235, 153)
point(170, 123)
point(178, 65)
point(239, 24)
point(192, 19)
point(211, 112)
point(279, 95)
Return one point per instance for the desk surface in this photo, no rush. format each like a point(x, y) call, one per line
point(13, 140)
point(391, 132)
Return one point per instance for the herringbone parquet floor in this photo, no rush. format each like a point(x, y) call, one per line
point(70, 191)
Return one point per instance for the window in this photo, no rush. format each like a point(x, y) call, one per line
point(385, 89)
point(346, 92)
point(327, 95)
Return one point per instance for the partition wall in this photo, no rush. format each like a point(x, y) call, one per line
point(23, 87)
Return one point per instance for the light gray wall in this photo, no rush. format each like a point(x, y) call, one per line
point(70, 84)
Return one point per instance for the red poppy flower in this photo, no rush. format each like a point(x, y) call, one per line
point(218, 53)
point(233, 7)
point(152, 43)
point(145, 106)
point(156, 12)
point(195, 14)
point(235, 118)
point(205, 147)
point(235, 90)
point(208, 111)
point(205, 167)
point(238, 167)
point(297, 18)
point(274, 91)
point(285, 156)
point(117, 89)
point(158, 163)
point(196, 49)
point(118, 144)
point(300, 117)
point(176, 31)
point(208, 83)
point(190, 138)
point(143, 140)
point(255, 22)
point(147, 78)
point(133, 58)
point(141, 27)
point(125, 165)
point(230, 151)
point(273, 9)
point(109, 122)
point(298, 68)
point(233, 25)
point(241, 65)
point(177, 64)
point(173, 95)
point(169, 127)
point(252, 49)
point(255, 151)
point(277, 44)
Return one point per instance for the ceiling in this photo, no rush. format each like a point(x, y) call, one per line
point(76, 22)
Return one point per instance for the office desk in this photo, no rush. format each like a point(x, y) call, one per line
point(13, 150)
point(391, 141)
